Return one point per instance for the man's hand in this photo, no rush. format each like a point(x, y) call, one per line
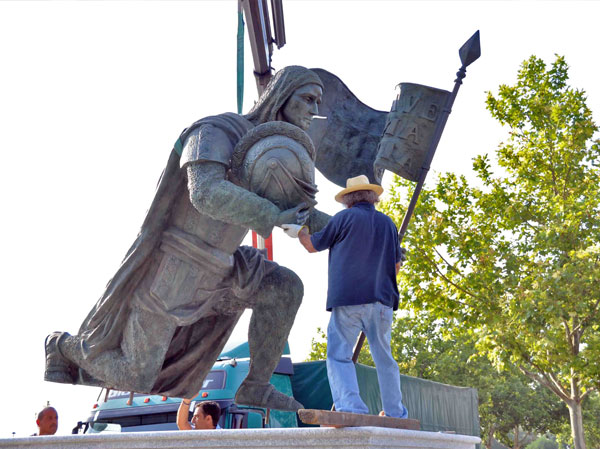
point(402, 256)
point(182, 414)
point(292, 229)
point(402, 259)
point(295, 215)
point(305, 240)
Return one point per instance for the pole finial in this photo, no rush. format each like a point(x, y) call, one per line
point(470, 51)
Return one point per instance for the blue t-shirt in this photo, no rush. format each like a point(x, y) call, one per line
point(363, 252)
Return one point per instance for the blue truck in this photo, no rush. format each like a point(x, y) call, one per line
point(438, 407)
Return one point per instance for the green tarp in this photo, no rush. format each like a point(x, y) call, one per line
point(437, 406)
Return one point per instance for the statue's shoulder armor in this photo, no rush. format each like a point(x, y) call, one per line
point(212, 139)
point(206, 143)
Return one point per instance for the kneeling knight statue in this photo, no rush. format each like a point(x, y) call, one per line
point(184, 283)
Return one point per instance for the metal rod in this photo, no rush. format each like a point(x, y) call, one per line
point(469, 53)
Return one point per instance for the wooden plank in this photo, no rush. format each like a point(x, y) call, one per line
point(344, 419)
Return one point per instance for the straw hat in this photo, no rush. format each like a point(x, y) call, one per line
point(360, 182)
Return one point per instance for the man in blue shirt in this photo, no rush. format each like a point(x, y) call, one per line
point(364, 258)
point(206, 415)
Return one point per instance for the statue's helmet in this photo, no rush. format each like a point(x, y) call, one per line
point(276, 160)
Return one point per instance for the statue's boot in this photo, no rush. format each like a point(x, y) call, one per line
point(58, 367)
point(264, 395)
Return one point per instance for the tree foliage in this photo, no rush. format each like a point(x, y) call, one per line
point(543, 442)
point(514, 259)
point(429, 348)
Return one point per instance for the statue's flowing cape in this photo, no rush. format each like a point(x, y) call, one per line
point(102, 330)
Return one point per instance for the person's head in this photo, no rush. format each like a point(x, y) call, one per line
point(292, 95)
point(206, 415)
point(360, 196)
point(359, 190)
point(47, 421)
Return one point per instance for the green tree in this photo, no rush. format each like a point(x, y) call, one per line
point(591, 424)
point(432, 349)
point(514, 260)
point(543, 442)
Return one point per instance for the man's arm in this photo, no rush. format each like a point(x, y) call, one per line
point(324, 238)
point(304, 237)
point(183, 413)
point(398, 265)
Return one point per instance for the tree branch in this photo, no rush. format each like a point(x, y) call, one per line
point(556, 382)
point(554, 186)
point(583, 324)
point(446, 279)
point(564, 193)
point(546, 382)
point(569, 334)
point(529, 225)
point(451, 266)
point(588, 392)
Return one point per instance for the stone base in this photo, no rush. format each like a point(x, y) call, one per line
point(305, 438)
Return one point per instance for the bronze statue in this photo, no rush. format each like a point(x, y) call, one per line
point(170, 308)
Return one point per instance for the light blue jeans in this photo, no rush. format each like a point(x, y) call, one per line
point(346, 322)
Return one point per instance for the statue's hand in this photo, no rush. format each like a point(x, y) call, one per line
point(295, 215)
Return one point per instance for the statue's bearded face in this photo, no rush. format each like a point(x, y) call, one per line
point(302, 106)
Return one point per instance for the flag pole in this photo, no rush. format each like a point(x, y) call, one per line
point(469, 53)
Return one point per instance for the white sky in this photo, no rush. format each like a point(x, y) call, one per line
point(94, 94)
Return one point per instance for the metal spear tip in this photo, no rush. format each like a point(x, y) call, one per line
point(470, 51)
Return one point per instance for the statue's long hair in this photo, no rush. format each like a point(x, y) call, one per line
point(279, 90)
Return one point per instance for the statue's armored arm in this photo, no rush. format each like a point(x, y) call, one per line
point(213, 195)
point(317, 220)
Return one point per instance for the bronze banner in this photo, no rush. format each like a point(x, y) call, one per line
point(409, 129)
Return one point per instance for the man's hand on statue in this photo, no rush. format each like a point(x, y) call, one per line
point(293, 230)
point(402, 255)
point(295, 215)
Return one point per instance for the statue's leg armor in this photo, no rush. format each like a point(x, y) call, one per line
point(273, 314)
point(136, 364)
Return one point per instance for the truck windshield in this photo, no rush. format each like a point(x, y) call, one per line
point(214, 381)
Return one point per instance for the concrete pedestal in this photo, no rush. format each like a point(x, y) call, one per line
point(304, 438)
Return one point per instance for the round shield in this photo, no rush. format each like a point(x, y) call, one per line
point(275, 160)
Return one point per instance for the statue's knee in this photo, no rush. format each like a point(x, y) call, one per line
point(281, 288)
point(292, 286)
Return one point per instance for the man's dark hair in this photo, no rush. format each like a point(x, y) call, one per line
point(360, 196)
point(211, 408)
point(44, 410)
